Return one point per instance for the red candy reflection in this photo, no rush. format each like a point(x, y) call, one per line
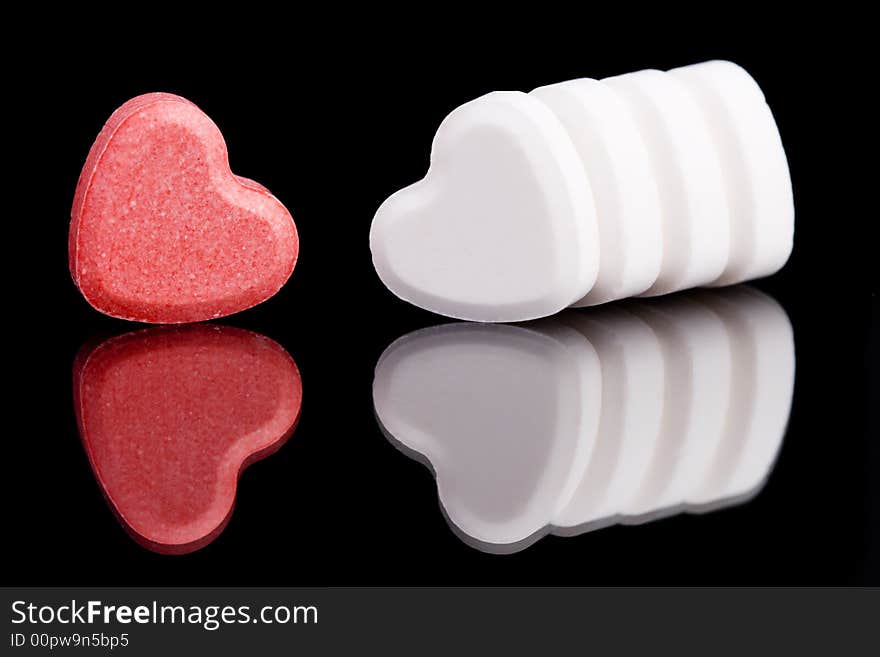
point(169, 418)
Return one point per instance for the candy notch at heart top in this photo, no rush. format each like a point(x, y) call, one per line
point(161, 229)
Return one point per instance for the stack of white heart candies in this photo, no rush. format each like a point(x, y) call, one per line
point(588, 191)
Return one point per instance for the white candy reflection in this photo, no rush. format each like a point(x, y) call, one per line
point(620, 414)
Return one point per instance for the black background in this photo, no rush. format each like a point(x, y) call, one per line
point(333, 122)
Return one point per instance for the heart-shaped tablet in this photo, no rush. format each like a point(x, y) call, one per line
point(503, 226)
point(169, 417)
point(162, 231)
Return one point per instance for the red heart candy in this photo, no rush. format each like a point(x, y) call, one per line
point(162, 231)
point(169, 417)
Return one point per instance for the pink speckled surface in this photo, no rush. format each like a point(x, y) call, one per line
point(170, 416)
point(162, 231)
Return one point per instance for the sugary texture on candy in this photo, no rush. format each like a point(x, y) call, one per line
point(162, 231)
point(169, 417)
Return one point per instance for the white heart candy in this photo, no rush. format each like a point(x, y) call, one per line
point(588, 191)
point(502, 228)
point(606, 136)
